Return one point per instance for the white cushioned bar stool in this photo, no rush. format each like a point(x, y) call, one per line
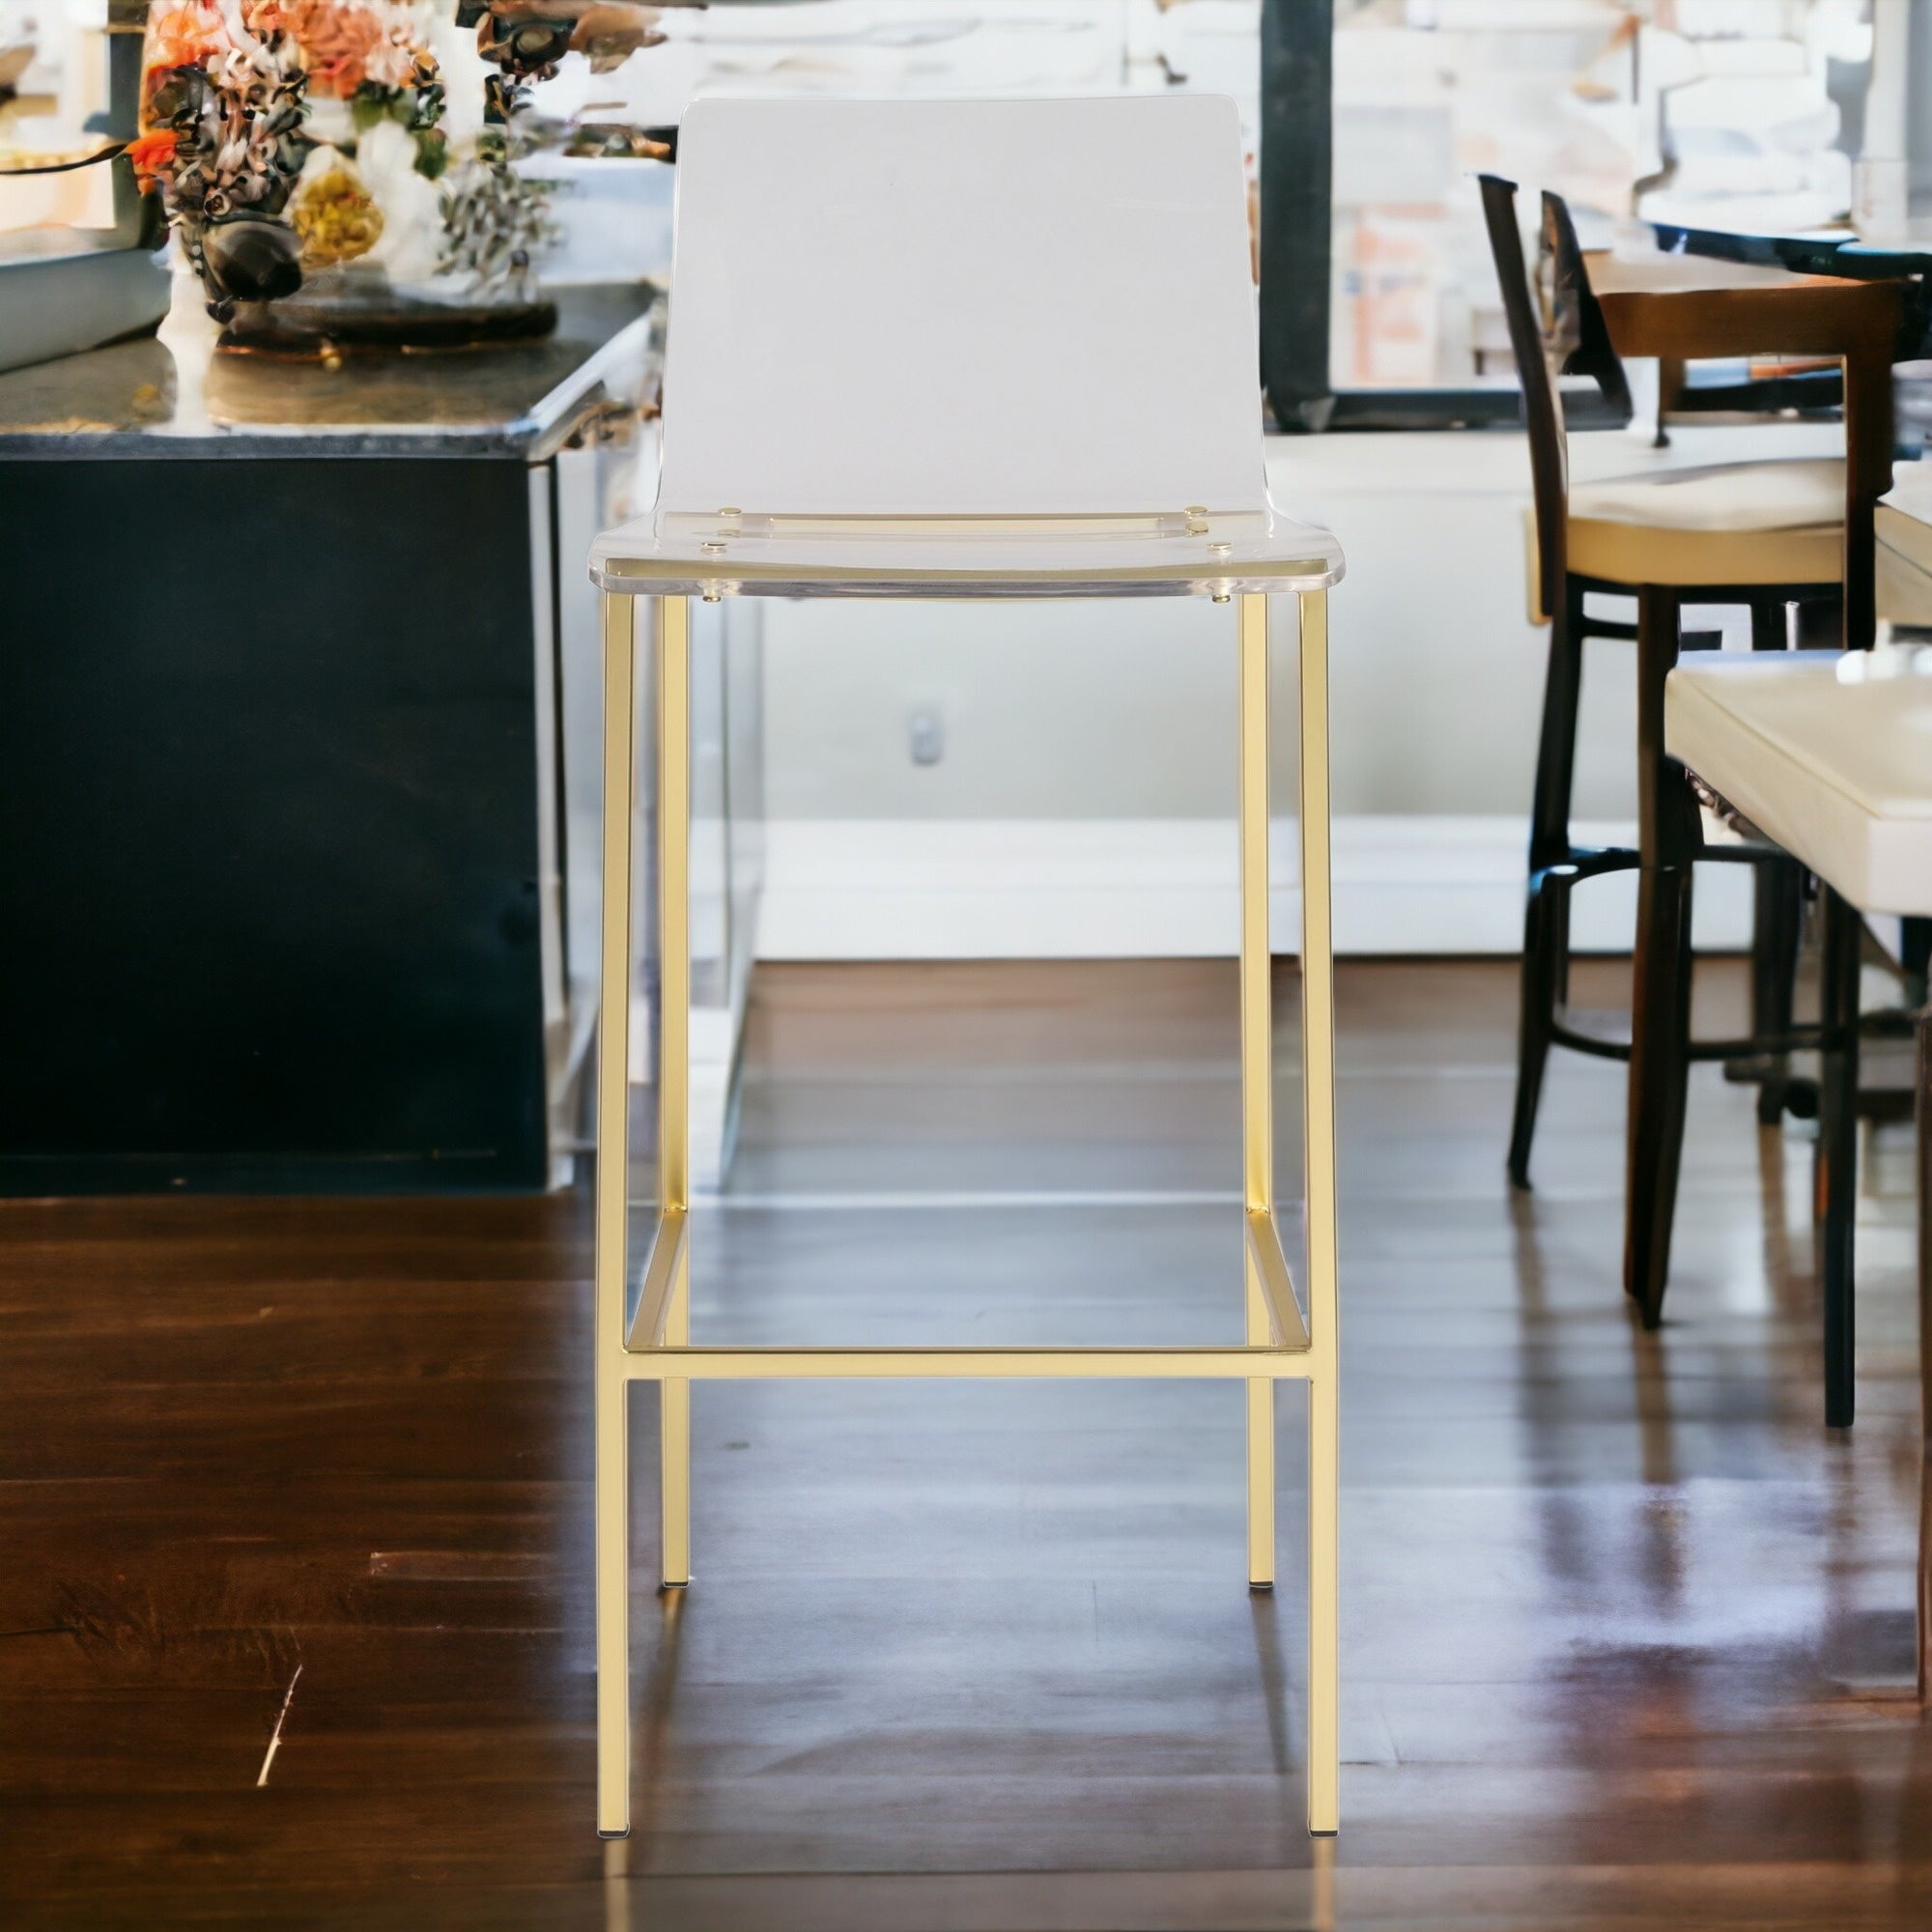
point(962, 349)
point(1838, 769)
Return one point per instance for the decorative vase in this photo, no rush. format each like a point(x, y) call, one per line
point(188, 333)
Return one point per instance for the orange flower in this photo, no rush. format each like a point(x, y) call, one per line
point(186, 37)
point(151, 154)
point(337, 42)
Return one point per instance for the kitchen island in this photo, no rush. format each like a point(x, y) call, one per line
point(284, 828)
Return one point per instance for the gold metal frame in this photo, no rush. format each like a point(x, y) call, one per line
point(645, 1335)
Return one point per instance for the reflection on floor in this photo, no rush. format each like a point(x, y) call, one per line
point(1626, 1637)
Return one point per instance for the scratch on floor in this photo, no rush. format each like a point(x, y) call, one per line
point(281, 1719)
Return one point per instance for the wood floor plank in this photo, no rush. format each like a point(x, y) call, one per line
point(1627, 1636)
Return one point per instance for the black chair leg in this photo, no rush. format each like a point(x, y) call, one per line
point(1771, 626)
point(1821, 622)
point(1559, 925)
point(1778, 894)
point(1660, 1064)
point(1777, 923)
point(1915, 955)
point(1546, 921)
point(1539, 995)
point(1659, 1077)
point(1836, 1169)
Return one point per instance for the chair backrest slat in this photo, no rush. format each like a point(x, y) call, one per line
point(1561, 261)
point(1540, 345)
point(961, 308)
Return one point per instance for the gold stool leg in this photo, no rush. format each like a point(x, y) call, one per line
point(1317, 1074)
point(673, 722)
point(614, 1053)
point(1256, 1064)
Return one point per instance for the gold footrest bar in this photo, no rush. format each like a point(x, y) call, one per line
point(760, 1364)
point(650, 1307)
point(1289, 1327)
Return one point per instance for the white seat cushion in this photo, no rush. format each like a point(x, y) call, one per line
point(1905, 548)
point(1840, 775)
point(1741, 523)
point(1730, 496)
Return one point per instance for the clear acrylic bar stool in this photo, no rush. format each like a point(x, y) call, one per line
point(987, 349)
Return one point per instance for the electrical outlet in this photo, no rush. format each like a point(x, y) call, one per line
point(925, 735)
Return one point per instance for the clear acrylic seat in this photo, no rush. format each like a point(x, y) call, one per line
point(735, 555)
point(986, 348)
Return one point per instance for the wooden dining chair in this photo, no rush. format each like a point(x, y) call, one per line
point(1761, 535)
point(1858, 323)
point(1817, 619)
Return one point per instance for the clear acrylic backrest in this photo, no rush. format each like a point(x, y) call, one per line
point(961, 308)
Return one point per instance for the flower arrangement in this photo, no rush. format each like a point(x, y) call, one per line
point(221, 112)
point(287, 136)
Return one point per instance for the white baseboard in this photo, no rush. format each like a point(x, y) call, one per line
point(1107, 888)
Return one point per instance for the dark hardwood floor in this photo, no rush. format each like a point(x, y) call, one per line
point(1628, 1637)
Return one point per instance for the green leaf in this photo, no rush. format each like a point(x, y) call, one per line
point(432, 152)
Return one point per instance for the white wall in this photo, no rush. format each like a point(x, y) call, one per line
point(1065, 720)
point(1077, 710)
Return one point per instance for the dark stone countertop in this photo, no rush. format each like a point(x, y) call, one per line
point(519, 401)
